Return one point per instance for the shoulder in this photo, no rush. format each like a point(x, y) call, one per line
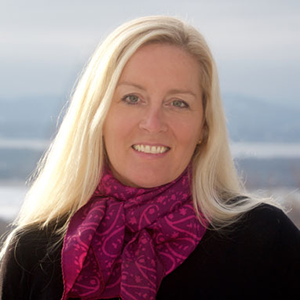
point(268, 214)
point(31, 245)
point(260, 251)
point(23, 246)
point(267, 222)
point(31, 264)
point(261, 233)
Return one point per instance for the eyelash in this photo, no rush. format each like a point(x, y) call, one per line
point(185, 105)
point(126, 98)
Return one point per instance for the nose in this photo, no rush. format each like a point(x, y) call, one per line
point(153, 120)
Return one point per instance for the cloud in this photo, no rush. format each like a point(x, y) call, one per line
point(51, 40)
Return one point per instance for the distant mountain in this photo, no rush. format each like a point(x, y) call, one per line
point(249, 120)
point(254, 120)
point(29, 118)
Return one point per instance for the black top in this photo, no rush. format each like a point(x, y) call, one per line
point(256, 258)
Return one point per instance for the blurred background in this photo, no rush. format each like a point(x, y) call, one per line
point(256, 44)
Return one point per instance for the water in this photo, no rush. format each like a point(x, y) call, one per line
point(239, 150)
point(11, 196)
point(26, 144)
point(265, 150)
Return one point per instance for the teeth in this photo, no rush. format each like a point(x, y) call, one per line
point(150, 149)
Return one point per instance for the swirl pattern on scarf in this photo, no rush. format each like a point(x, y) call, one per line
point(125, 240)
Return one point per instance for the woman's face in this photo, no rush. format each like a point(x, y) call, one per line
point(156, 116)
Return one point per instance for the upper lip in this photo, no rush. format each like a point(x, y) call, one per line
point(151, 144)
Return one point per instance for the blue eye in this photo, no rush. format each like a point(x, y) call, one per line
point(180, 104)
point(131, 99)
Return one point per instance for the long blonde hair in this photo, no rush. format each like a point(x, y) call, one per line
point(71, 169)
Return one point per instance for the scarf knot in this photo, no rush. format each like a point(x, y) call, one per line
point(125, 240)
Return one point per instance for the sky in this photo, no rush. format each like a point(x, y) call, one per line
point(45, 44)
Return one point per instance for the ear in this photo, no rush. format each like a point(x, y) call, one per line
point(204, 133)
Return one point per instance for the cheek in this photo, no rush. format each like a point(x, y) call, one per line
point(110, 133)
point(117, 129)
point(188, 134)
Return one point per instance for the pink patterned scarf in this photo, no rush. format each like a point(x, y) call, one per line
point(125, 240)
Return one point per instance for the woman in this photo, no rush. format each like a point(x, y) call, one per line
point(138, 197)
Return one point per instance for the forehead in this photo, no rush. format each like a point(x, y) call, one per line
point(163, 62)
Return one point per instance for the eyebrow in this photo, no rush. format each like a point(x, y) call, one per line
point(132, 84)
point(173, 91)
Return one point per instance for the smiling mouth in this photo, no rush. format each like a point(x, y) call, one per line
point(150, 149)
